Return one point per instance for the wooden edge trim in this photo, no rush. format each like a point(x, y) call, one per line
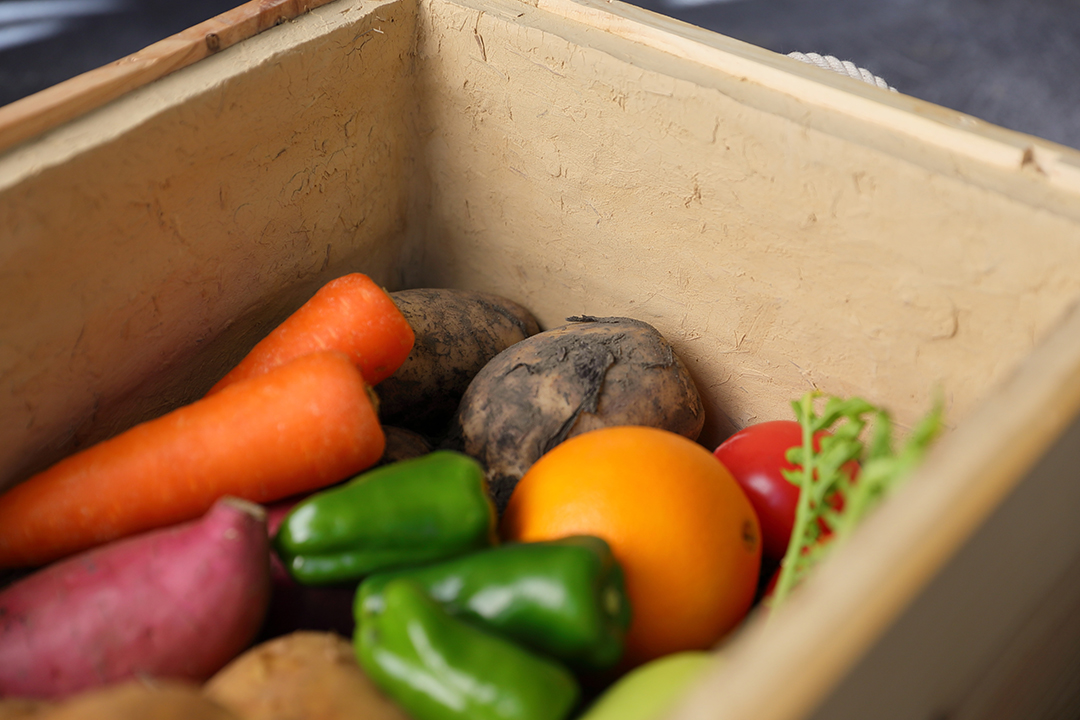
point(902, 115)
point(35, 114)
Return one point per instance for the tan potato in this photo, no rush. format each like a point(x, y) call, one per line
point(457, 333)
point(139, 700)
point(21, 708)
point(301, 676)
point(589, 374)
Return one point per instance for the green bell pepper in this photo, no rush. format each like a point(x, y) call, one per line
point(409, 512)
point(438, 667)
point(565, 598)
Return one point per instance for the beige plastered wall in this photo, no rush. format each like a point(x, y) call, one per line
point(787, 230)
point(781, 244)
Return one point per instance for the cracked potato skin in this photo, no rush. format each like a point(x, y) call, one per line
point(588, 374)
point(457, 333)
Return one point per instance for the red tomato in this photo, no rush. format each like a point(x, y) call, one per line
point(755, 456)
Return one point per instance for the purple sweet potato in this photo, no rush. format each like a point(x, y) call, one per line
point(178, 603)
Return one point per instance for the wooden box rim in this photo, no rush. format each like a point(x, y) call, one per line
point(813, 642)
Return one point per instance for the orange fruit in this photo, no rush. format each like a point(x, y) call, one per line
point(683, 530)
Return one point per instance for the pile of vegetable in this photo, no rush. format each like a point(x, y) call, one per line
point(422, 505)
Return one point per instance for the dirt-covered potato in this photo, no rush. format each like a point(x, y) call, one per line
point(591, 373)
point(301, 676)
point(402, 444)
point(139, 700)
point(457, 333)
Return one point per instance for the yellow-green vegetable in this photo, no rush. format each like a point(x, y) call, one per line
point(650, 690)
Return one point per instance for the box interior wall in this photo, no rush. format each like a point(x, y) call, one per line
point(502, 146)
point(788, 230)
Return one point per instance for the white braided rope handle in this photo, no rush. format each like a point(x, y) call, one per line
point(844, 67)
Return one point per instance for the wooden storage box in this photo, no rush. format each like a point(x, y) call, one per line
point(786, 228)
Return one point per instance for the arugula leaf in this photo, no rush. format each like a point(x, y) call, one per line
point(830, 499)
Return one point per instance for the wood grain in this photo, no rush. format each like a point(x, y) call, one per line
point(45, 110)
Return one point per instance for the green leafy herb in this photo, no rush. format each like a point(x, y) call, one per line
point(831, 501)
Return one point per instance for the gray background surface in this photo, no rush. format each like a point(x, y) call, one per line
point(1015, 63)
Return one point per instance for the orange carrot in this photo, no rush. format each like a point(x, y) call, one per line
point(299, 427)
point(351, 314)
